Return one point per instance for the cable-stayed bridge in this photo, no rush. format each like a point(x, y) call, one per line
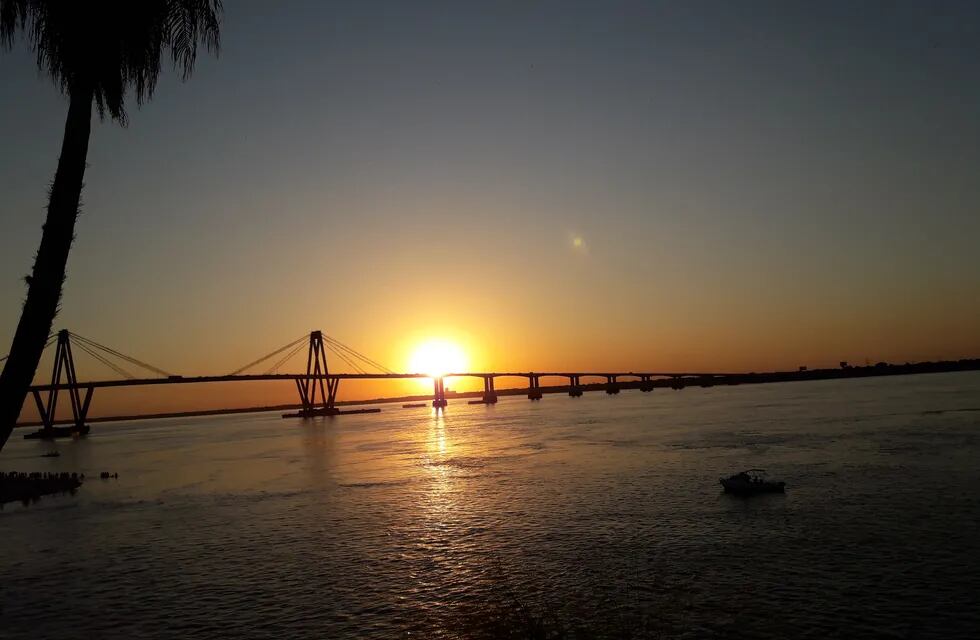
point(316, 386)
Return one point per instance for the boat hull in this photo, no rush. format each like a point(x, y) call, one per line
point(751, 488)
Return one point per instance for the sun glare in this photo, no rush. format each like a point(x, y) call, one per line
point(437, 358)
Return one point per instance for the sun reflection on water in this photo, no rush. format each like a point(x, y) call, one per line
point(440, 496)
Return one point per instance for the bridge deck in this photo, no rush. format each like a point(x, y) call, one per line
point(99, 384)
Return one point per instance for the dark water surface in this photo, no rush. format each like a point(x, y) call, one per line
point(601, 513)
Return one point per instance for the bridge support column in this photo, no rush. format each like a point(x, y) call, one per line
point(534, 387)
point(646, 384)
point(575, 386)
point(489, 393)
point(439, 394)
point(64, 362)
point(317, 389)
point(612, 387)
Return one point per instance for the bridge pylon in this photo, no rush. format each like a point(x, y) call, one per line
point(64, 363)
point(317, 390)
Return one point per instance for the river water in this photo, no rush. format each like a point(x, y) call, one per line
point(598, 516)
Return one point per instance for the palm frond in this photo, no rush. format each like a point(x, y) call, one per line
point(112, 46)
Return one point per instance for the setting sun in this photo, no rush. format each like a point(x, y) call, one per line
point(437, 358)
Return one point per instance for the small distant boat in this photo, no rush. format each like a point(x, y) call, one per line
point(751, 482)
point(51, 454)
point(414, 405)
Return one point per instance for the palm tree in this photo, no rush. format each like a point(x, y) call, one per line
point(95, 51)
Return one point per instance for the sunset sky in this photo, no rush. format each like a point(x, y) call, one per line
point(627, 185)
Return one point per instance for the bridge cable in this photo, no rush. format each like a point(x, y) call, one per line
point(360, 356)
point(50, 341)
point(105, 361)
point(275, 368)
point(123, 356)
point(347, 354)
point(340, 354)
point(118, 369)
point(269, 355)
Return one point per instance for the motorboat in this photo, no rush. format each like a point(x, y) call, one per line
point(750, 482)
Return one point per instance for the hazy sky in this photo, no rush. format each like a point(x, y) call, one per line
point(755, 185)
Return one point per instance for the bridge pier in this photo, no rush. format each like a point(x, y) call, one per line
point(64, 362)
point(534, 387)
point(439, 393)
point(489, 393)
point(575, 386)
point(646, 384)
point(612, 387)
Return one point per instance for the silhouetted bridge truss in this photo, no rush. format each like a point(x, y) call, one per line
point(317, 387)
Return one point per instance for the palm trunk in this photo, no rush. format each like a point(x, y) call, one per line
point(44, 285)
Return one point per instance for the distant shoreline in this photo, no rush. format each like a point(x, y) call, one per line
point(880, 369)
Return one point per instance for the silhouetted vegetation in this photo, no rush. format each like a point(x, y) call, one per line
point(28, 487)
point(96, 52)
